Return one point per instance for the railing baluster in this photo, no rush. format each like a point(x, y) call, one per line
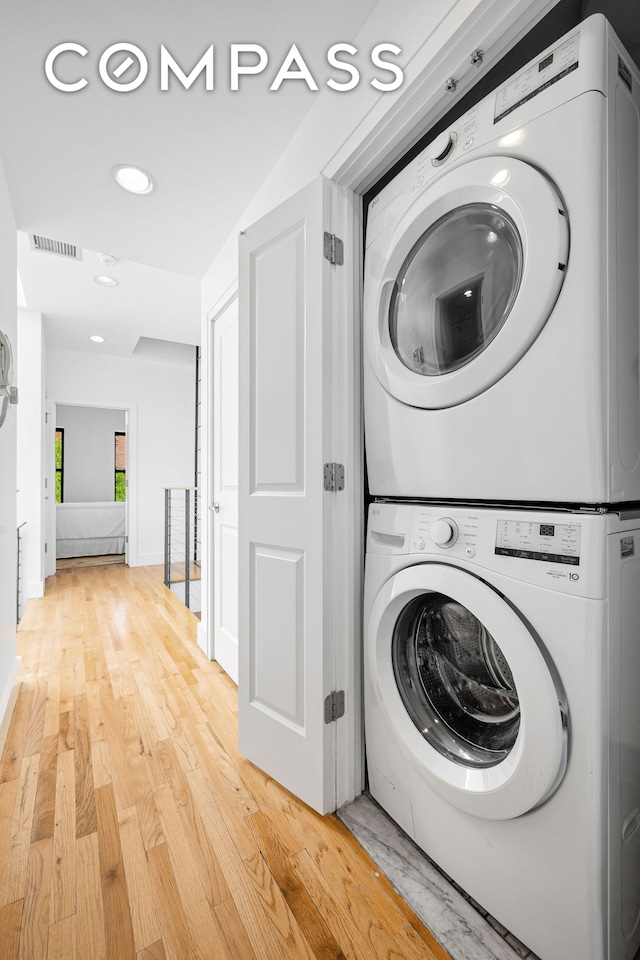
point(167, 537)
point(187, 547)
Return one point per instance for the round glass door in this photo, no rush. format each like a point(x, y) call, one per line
point(455, 681)
point(455, 289)
point(459, 286)
point(465, 685)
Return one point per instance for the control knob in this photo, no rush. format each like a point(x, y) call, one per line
point(444, 532)
point(441, 147)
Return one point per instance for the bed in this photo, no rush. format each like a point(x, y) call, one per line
point(89, 529)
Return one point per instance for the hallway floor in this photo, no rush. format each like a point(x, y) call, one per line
point(129, 825)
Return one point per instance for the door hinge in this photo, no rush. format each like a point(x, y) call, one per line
point(333, 249)
point(333, 477)
point(334, 706)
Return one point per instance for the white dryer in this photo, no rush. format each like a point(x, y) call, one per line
point(502, 716)
point(501, 300)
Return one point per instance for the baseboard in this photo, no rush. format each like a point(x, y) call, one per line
point(148, 560)
point(35, 590)
point(8, 702)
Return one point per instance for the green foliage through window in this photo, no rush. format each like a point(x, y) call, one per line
point(59, 462)
point(120, 455)
point(121, 486)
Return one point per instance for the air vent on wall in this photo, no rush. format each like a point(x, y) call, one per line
point(61, 249)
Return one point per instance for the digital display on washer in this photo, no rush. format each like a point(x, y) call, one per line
point(550, 542)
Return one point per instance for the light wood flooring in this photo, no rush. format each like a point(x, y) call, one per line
point(129, 825)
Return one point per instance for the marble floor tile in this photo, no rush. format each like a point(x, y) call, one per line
point(455, 924)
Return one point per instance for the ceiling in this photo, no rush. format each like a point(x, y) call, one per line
point(209, 151)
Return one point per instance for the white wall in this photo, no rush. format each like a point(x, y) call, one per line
point(30, 445)
point(8, 460)
point(89, 452)
point(160, 398)
point(354, 137)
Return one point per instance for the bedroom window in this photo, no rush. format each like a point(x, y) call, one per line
point(59, 462)
point(120, 466)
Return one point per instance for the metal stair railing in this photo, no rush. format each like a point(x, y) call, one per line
point(182, 547)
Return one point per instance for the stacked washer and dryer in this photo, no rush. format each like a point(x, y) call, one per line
point(502, 432)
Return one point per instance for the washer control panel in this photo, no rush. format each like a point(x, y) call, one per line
point(432, 532)
point(529, 540)
point(561, 550)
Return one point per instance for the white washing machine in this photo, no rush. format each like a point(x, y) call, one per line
point(502, 713)
point(501, 302)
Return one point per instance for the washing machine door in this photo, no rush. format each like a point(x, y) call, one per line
point(466, 687)
point(465, 281)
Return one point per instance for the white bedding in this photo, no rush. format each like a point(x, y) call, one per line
point(89, 529)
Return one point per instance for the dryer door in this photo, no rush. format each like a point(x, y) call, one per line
point(466, 687)
point(466, 280)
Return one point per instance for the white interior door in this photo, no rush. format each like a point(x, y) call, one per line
point(225, 489)
point(288, 534)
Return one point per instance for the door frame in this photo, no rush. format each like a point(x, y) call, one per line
point(131, 508)
point(206, 637)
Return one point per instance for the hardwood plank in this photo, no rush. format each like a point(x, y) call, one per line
point(232, 931)
point(202, 850)
point(16, 831)
point(205, 942)
point(90, 932)
point(154, 952)
point(85, 804)
point(63, 873)
point(233, 782)
point(174, 927)
point(412, 944)
point(10, 921)
point(314, 929)
point(62, 940)
point(257, 925)
point(144, 917)
point(14, 745)
point(34, 927)
point(35, 732)
point(360, 937)
point(123, 788)
point(66, 730)
point(52, 709)
point(101, 764)
point(344, 869)
point(115, 896)
point(45, 802)
point(232, 817)
point(282, 922)
point(93, 694)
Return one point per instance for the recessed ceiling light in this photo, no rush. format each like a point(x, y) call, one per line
point(107, 259)
point(106, 281)
point(134, 179)
point(97, 339)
